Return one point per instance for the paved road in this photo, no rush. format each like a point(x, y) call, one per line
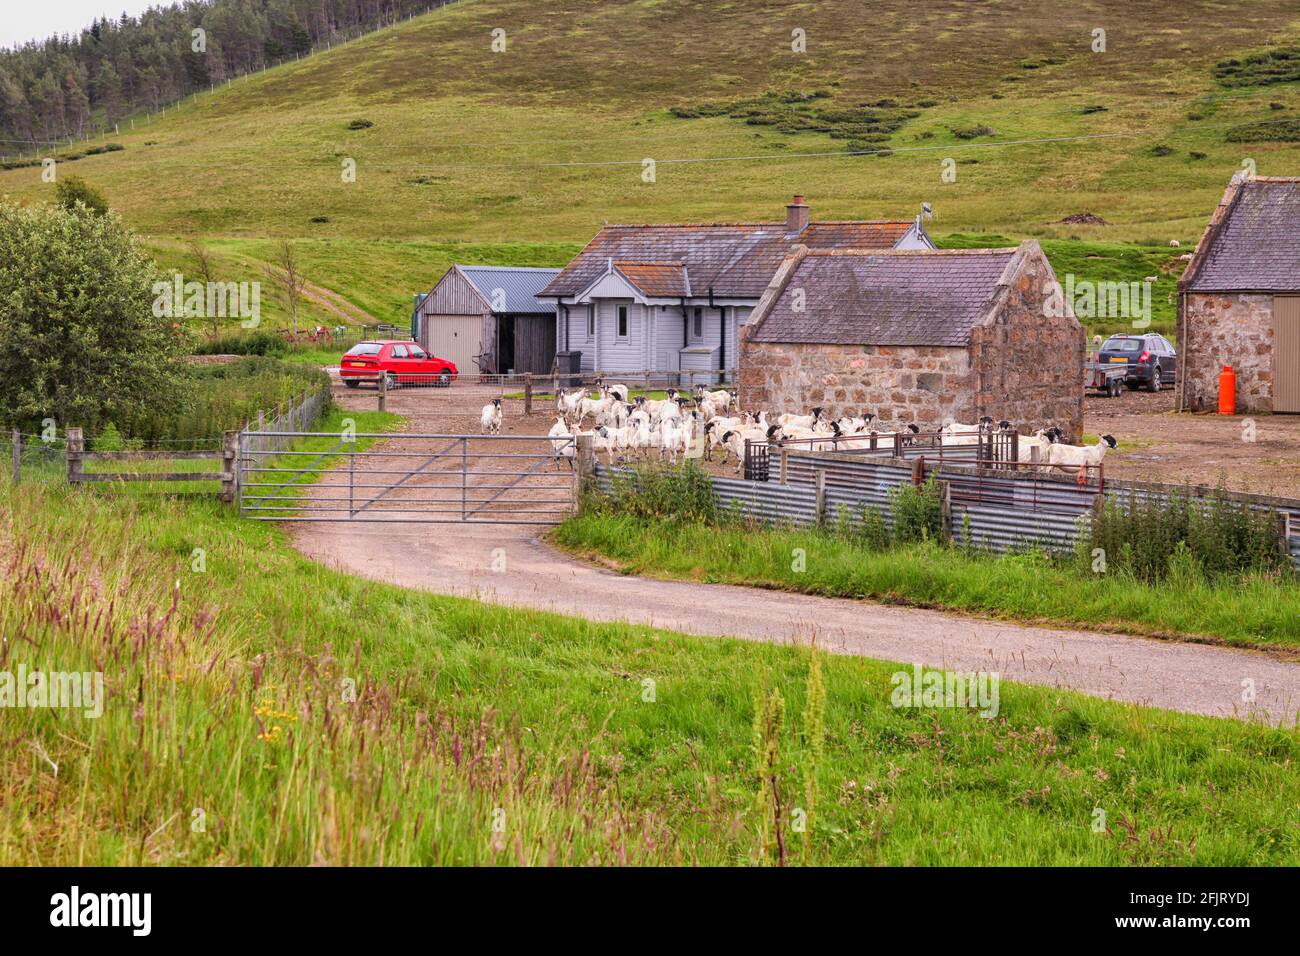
point(455, 559)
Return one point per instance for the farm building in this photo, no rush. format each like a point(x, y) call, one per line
point(489, 319)
point(1239, 300)
point(673, 297)
point(920, 338)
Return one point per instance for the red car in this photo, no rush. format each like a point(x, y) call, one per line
point(403, 363)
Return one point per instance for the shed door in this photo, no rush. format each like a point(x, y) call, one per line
point(1286, 353)
point(455, 337)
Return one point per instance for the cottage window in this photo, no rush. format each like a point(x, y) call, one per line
point(697, 325)
point(622, 321)
point(591, 323)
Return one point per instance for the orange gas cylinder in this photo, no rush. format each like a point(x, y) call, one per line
point(1227, 391)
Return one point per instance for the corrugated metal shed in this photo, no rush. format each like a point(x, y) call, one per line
point(520, 285)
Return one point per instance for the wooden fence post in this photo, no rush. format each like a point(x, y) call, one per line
point(528, 393)
point(945, 510)
point(76, 446)
point(383, 392)
point(18, 455)
point(585, 460)
point(229, 466)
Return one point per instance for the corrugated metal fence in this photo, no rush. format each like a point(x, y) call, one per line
point(991, 508)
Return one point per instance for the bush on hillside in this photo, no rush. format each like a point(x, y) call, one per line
point(254, 343)
point(73, 190)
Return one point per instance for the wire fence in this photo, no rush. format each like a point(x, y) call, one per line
point(205, 464)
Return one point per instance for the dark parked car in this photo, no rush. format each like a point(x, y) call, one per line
point(1152, 362)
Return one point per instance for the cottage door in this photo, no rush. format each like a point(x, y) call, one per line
point(1286, 353)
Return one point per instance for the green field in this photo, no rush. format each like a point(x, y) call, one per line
point(478, 156)
point(279, 712)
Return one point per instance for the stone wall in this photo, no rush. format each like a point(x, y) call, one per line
point(1029, 359)
point(921, 385)
point(1218, 329)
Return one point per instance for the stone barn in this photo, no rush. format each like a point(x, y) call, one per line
point(1239, 300)
point(918, 338)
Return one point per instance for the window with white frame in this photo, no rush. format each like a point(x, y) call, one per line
point(697, 325)
point(591, 323)
point(622, 321)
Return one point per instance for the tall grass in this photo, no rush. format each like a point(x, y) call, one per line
point(1210, 567)
point(221, 397)
point(262, 709)
point(1216, 537)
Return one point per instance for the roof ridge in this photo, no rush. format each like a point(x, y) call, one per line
point(979, 251)
point(740, 223)
point(514, 268)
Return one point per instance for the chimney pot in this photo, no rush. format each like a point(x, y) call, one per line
point(796, 216)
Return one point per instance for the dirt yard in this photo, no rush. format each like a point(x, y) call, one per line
point(1260, 454)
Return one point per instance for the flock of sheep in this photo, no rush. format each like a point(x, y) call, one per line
point(668, 428)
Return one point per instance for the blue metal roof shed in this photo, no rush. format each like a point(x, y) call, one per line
point(488, 319)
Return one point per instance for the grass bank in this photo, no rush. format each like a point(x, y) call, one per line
point(263, 709)
point(1024, 587)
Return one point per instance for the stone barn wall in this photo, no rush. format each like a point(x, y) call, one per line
point(1226, 328)
point(1029, 360)
point(921, 385)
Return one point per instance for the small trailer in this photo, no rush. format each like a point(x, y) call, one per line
point(1105, 377)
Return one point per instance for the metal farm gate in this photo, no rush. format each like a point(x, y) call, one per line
point(471, 479)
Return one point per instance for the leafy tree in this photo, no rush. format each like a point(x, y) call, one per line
point(79, 338)
point(73, 189)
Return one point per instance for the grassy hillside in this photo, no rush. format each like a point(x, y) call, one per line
point(545, 141)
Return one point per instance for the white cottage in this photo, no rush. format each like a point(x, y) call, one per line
point(673, 297)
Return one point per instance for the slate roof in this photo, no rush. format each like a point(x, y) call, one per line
point(521, 285)
point(734, 259)
point(656, 279)
point(1254, 243)
point(899, 298)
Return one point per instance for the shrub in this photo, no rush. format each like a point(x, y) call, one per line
point(681, 495)
point(360, 124)
point(1225, 537)
point(255, 343)
point(917, 511)
point(1277, 131)
point(79, 341)
point(971, 132)
point(1162, 150)
point(71, 190)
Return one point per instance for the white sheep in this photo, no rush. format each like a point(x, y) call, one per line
point(800, 421)
point(490, 420)
point(1040, 439)
point(1067, 456)
point(564, 446)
